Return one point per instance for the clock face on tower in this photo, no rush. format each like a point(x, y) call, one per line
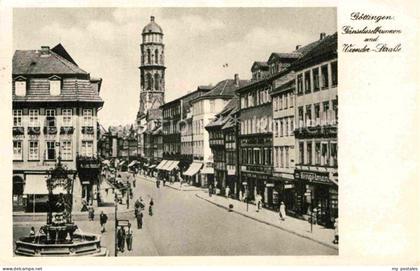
point(152, 68)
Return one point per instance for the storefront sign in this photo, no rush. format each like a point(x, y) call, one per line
point(313, 177)
point(288, 186)
point(269, 185)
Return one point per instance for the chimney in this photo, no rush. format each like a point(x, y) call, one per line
point(152, 18)
point(322, 35)
point(298, 46)
point(236, 79)
point(45, 50)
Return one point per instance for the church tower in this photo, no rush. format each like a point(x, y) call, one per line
point(152, 69)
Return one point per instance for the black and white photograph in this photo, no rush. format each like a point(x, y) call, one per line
point(175, 132)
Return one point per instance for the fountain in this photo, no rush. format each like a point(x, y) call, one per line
point(60, 236)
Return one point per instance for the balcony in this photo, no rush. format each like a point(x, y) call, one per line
point(66, 130)
point(50, 130)
point(88, 130)
point(34, 130)
point(18, 130)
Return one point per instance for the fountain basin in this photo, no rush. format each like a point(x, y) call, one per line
point(81, 245)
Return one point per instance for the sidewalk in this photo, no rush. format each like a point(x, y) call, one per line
point(292, 225)
point(175, 185)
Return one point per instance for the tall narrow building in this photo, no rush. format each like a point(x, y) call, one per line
point(152, 70)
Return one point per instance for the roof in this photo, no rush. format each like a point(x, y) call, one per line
point(262, 65)
point(325, 47)
point(290, 56)
point(226, 114)
point(225, 88)
point(73, 90)
point(37, 62)
point(152, 27)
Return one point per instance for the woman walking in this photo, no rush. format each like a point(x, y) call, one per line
point(282, 211)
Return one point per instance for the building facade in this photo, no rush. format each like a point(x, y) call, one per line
point(316, 115)
point(55, 107)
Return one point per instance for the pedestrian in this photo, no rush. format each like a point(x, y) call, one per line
point(142, 205)
point(282, 211)
point(103, 218)
point(136, 211)
point(227, 191)
point(257, 203)
point(335, 231)
point(137, 204)
point(151, 207)
point(139, 220)
point(121, 238)
point(129, 237)
point(210, 189)
point(157, 183)
point(32, 232)
point(91, 213)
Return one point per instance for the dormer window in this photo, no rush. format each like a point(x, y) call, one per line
point(20, 86)
point(55, 85)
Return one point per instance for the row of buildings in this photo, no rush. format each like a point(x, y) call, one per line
point(274, 135)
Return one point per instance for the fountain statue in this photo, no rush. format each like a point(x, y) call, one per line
point(60, 236)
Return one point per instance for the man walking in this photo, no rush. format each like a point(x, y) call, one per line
point(282, 211)
point(121, 239)
point(129, 237)
point(103, 218)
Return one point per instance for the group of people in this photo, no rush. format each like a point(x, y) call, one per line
point(124, 236)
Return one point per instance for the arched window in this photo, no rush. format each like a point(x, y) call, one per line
point(157, 81)
point(149, 81)
point(156, 56)
point(148, 56)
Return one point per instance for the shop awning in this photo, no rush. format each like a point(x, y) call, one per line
point(134, 162)
point(193, 169)
point(152, 166)
point(121, 163)
point(161, 164)
point(37, 184)
point(173, 165)
point(207, 170)
point(167, 165)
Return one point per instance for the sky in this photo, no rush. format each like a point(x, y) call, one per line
point(198, 42)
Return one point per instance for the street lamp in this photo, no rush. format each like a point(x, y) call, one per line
point(116, 225)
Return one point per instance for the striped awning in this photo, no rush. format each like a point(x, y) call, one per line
point(37, 185)
point(172, 166)
point(193, 169)
point(161, 164)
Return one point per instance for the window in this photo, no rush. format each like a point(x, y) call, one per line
point(276, 128)
point(333, 146)
point(300, 84)
point(276, 153)
point(291, 125)
point(87, 117)
point(324, 154)
point(156, 56)
point(20, 88)
point(315, 78)
point(50, 118)
point(335, 108)
point(325, 109)
point(17, 150)
point(317, 153)
point(33, 150)
point(300, 116)
point(308, 115)
point(301, 153)
point(307, 82)
point(67, 117)
point(324, 76)
point(55, 87)
point(50, 150)
point(281, 127)
point(287, 157)
point(33, 117)
point(66, 152)
point(309, 152)
point(17, 118)
point(281, 157)
point(276, 104)
point(334, 73)
point(286, 100)
point(317, 111)
point(87, 148)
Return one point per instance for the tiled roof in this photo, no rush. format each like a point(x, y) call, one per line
point(326, 46)
point(263, 65)
point(72, 90)
point(35, 62)
point(225, 116)
point(225, 88)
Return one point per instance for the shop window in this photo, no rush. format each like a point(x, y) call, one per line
point(307, 82)
point(17, 150)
